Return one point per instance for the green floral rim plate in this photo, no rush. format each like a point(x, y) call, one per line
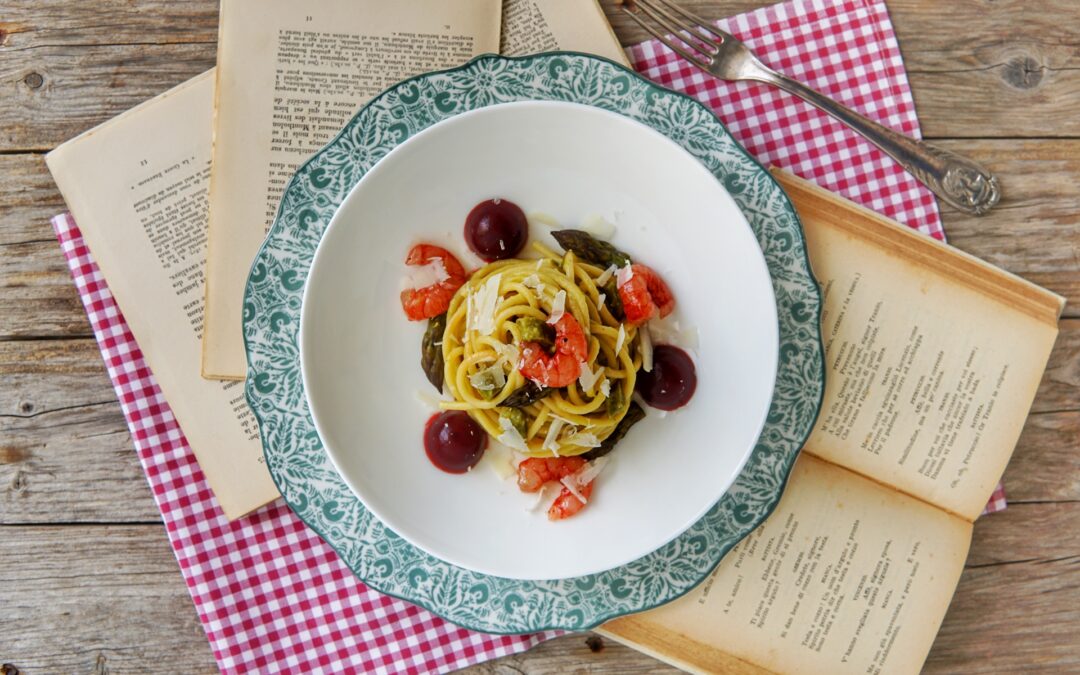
point(295, 455)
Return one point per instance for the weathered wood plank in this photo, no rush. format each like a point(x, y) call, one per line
point(1033, 232)
point(96, 599)
point(28, 198)
point(1010, 72)
point(37, 296)
point(1018, 611)
point(65, 452)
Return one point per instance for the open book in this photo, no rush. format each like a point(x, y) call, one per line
point(138, 188)
point(933, 358)
point(291, 74)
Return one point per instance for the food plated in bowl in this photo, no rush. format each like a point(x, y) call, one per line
point(568, 165)
point(542, 354)
point(298, 459)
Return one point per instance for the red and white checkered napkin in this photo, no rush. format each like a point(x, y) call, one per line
point(270, 593)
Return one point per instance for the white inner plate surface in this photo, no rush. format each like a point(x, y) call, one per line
point(360, 357)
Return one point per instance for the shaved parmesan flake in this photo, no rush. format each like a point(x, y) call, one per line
point(568, 483)
point(590, 471)
point(499, 458)
point(487, 297)
point(422, 276)
point(606, 276)
point(545, 497)
point(551, 442)
point(543, 219)
point(597, 226)
point(510, 437)
point(646, 348)
point(588, 377)
point(600, 299)
point(584, 439)
point(428, 400)
point(624, 275)
point(636, 398)
point(540, 263)
point(621, 339)
point(507, 353)
point(531, 281)
point(558, 307)
point(605, 387)
point(491, 378)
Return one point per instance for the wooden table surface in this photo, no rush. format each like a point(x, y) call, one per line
point(88, 582)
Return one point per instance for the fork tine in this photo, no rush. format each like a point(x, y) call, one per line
point(694, 58)
point(685, 31)
point(701, 24)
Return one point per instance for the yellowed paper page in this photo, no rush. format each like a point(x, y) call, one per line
point(533, 26)
point(137, 186)
point(290, 74)
point(846, 576)
point(933, 356)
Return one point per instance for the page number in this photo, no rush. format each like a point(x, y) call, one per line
point(143, 162)
point(307, 18)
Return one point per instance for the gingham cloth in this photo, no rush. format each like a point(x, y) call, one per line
point(271, 595)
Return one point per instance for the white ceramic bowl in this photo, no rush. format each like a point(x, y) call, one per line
point(360, 357)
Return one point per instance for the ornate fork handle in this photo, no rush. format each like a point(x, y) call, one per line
point(961, 182)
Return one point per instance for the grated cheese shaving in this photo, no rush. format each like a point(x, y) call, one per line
point(551, 442)
point(545, 497)
point(624, 275)
point(619, 341)
point(491, 378)
point(605, 388)
point(606, 276)
point(511, 437)
point(487, 297)
point(597, 226)
point(543, 218)
point(427, 399)
point(584, 439)
point(590, 471)
point(646, 348)
point(507, 353)
point(600, 300)
point(568, 483)
point(558, 307)
point(429, 274)
point(588, 377)
point(531, 281)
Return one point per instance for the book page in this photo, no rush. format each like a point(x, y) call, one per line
point(137, 186)
point(290, 74)
point(846, 576)
point(534, 26)
point(933, 356)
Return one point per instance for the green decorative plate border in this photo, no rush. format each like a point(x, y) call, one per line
point(295, 455)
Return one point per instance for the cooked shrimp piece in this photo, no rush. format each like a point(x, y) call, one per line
point(433, 300)
point(535, 471)
point(562, 367)
point(644, 295)
point(567, 504)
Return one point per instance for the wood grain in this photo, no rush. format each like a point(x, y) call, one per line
point(69, 66)
point(65, 452)
point(96, 599)
point(88, 580)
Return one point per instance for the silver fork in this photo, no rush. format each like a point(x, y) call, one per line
point(961, 182)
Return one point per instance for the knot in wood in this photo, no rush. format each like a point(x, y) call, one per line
point(34, 80)
point(1023, 72)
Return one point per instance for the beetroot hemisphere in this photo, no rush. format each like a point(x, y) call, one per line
point(453, 441)
point(673, 379)
point(496, 229)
